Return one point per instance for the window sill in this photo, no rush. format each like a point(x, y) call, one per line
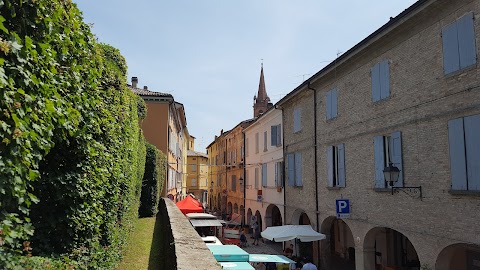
point(464, 192)
point(334, 188)
point(382, 189)
point(459, 71)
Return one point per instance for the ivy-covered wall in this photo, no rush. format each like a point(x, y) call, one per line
point(72, 154)
point(153, 179)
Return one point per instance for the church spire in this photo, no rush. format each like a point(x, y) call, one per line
point(261, 102)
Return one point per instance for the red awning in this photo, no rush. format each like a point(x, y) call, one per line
point(190, 205)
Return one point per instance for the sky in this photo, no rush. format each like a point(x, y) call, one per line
point(208, 53)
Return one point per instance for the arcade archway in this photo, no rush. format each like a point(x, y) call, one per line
point(338, 250)
point(273, 216)
point(459, 257)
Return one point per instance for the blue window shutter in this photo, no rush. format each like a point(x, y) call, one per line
point(379, 162)
point(375, 73)
point(384, 79)
point(330, 166)
point(451, 61)
point(328, 103)
point(456, 141)
point(279, 134)
point(341, 165)
point(466, 41)
point(291, 169)
point(334, 103)
point(296, 119)
point(472, 146)
point(298, 169)
point(277, 173)
point(273, 135)
point(396, 155)
point(264, 174)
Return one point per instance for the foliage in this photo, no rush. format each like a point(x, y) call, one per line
point(141, 108)
point(72, 153)
point(153, 179)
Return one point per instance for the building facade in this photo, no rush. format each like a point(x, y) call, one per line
point(408, 96)
point(197, 173)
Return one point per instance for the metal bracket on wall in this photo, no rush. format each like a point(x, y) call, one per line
point(414, 192)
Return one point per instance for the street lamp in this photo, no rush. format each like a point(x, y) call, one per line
point(391, 174)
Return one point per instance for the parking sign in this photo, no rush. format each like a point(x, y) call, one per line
point(343, 208)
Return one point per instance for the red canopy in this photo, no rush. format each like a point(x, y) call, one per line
point(190, 205)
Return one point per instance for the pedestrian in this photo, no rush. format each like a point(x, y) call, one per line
point(243, 240)
point(256, 234)
point(288, 251)
point(309, 265)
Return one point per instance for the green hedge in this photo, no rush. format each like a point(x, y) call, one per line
point(72, 154)
point(153, 179)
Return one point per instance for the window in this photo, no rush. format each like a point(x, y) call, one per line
point(464, 144)
point(279, 174)
point(380, 81)
point(264, 175)
point(242, 152)
point(388, 149)
point(256, 143)
point(246, 147)
point(331, 104)
point(234, 183)
point(194, 182)
point(297, 117)
point(276, 135)
point(336, 165)
point(265, 136)
point(256, 177)
point(294, 169)
point(194, 167)
point(458, 40)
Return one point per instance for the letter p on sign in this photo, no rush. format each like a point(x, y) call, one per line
point(343, 208)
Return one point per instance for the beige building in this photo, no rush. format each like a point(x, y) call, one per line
point(407, 97)
point(197, 173)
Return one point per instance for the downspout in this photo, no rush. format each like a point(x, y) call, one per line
point(244, 180)
point(283, 180)
point(315, 160)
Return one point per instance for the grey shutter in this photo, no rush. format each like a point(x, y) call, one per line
point(384, 79)
point(334, 103)
point(328, 103)
point(291, 169)
point(379, 162)
point(279, 134)
point(330, 166)
point(276, 173)
point(466, 41)
point(280, 174)
point(396, 155)
point(472, 146)
point(451, 60)
point(298, 169)
point(341, 165)
point(264, 174)
point(375, 74)
point(296, 119)
point(456, 141)
point(256, 178)
point(273, 135)
point(234, 183)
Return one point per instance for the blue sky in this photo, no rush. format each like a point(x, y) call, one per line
point(207, 54)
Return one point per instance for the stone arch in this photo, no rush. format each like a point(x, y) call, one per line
point(219, 202)
point(259, 219)
point(386, 247)
point(458, 256)
point(229, 208)
point(249, 215)
point(235, 208)
point(242, 213)
point(273, 216)
point(338, 249)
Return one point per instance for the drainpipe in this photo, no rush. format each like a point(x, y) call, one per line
point(244, 180)
point(315, 160)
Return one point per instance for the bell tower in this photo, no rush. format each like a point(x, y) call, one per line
point(261, 102)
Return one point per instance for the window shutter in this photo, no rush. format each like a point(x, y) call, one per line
point(279, 134)
point(298, 169)
point(234, 183)
point(341, 165)
point(273, 135)
point(451, 61)
point(276, 173)
point(396, 150)
point(280, 174)
point(456, 141)
point(384, 79)
point(379, 162)
point(264, 174)
point(291, 169)
point(328, 104)
point(375, 73)
point(334, 103)
point(330, 166)
point(296, 119)
point(472, 146)
point(256, 177)
point(265, 140)
point(466, 41)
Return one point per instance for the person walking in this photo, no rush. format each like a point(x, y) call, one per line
point(256, 233)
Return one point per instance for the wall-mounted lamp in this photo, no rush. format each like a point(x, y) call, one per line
point(391, 174)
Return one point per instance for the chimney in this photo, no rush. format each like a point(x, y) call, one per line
point(145, 87)
point(134, 82)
